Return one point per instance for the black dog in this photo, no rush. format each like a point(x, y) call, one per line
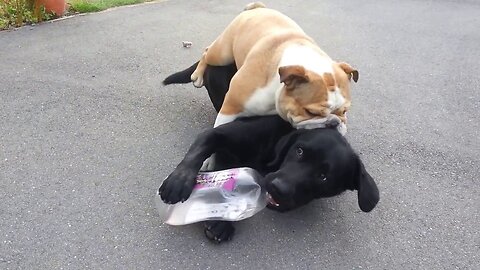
point(298, 165)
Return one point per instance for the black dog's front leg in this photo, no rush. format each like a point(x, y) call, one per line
point(241, 136)
point(238, 136)
point(179, 184)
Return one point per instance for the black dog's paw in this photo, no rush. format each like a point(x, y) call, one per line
point(219, 231)
point(178, 185)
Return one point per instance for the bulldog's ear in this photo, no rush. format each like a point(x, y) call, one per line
point(351, 72)
point(292, 75)
point(368, 195)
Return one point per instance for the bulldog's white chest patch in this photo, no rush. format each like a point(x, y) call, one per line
point(262, 102)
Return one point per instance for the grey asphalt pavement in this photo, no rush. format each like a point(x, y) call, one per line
point(88, 132)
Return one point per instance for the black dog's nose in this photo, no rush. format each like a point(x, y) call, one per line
point(281, 188)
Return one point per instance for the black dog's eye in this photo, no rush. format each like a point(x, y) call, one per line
point(299, 152)
point(322, 177)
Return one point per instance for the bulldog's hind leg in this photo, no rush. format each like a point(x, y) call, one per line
point(219, 53)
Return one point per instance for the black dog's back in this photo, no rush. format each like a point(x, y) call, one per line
point(216, 80)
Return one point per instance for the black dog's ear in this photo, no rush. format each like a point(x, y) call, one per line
point(281, 149)
point(368, 195)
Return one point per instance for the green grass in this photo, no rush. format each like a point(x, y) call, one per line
point(98, 5)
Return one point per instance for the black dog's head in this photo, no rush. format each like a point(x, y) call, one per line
point(314, 164)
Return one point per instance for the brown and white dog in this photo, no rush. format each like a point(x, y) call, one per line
point(281, 71)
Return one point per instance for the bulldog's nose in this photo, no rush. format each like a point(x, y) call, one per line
point(281, 188)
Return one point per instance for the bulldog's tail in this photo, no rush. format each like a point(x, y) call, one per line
point(254, 5)
point(181, 76)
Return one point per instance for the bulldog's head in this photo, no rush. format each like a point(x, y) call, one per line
point(308, 95)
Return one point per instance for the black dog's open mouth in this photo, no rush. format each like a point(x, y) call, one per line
point(276, 203)
point(271, 201)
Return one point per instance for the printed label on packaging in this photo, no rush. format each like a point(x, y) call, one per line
point(225, 179)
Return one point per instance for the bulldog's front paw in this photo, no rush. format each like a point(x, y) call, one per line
point(178, 186)
point(342, 128)
point(197, 79)
point(219, 231)
point(209, 164)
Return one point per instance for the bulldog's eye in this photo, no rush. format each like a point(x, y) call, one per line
point(299, 152)
point(322, 177)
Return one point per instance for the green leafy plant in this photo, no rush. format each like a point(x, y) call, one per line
point(15, 13)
